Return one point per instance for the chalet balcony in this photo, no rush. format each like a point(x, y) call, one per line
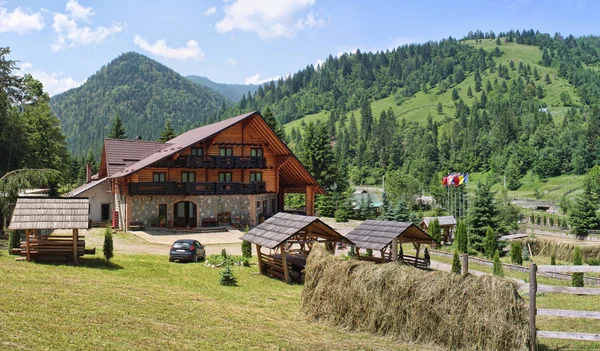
point(201, 188)
point(222, 162)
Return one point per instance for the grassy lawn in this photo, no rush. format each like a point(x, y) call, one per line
point(143, 302)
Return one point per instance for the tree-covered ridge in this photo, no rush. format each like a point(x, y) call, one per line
point(143, 92)
point(232, 91)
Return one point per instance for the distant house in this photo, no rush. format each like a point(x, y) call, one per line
point(447, 224)
point(363, 196)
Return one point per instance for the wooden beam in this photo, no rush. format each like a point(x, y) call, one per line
point(569, 335)
point(259, 257)
point(568, 290)
point(395, 250)
point(27, 246)
point(286, 272)
point(383, 256)
point(569, 269)
point(357, 252)
point(310, 200)
point(75, 239)
point(532, 306)
point(465, 264)
point(568, 313)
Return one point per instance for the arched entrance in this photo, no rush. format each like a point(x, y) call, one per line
point(185, 213)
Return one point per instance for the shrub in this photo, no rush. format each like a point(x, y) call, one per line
point(525, 253)
point(544, 222)
point(456, 268)
point(341, 214)
point(435, 231)
point(107, 248)
point(229, 260)
point(369, 253)
point(14, 240)
point(538, 220)
point(246, 249)
point(498, 268)
point(551, 221)
point(490, 242)
point(553, 259)
point(427, 257)
point(516, 253)
point(224, 253)
point(593, 261)
point(577, 279)
point(245, 262)
point(352, 251)
point(462, 240)
point(226, 277)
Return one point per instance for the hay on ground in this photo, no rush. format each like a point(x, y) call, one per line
point(564, 251)
point(483, 313)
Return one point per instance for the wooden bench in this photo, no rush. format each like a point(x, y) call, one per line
point(209, 222)
point(137, 226)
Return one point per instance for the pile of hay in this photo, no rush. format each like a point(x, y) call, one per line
point(483, 313)
point(563, 251)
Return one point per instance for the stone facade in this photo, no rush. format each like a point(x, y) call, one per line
point(241, 207)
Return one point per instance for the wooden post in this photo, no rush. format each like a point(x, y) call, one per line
point(417, 255)
point(286, 272)
point(383, 256)
point(465, 264)
point(27, 233)
point(259, 257)
point(395, 249)
point(357, 252)
point(75, 240)
point(532, 306)
point(310, 200)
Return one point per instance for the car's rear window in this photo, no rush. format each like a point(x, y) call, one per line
point(181, 245)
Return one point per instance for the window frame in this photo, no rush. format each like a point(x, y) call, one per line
point(159, 174)
point(187, 174)
point(199, 151)
point(224, 151)
point(254, 174)
point(257, 152)
point(225, 176)
point(165, 208)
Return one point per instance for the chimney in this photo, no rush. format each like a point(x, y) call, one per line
point(88, 172)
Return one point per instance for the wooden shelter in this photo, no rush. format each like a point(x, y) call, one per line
point(447, 224)
point(385, 236)
point(290, 239)
point(36, 214)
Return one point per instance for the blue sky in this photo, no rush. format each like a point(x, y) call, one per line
point(62, 43)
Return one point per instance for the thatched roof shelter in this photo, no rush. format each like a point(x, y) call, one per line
point(384, 236)
point(37, 213)
point(290, 238)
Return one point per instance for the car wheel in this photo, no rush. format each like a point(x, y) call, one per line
point(195, 259)
point(171, 259)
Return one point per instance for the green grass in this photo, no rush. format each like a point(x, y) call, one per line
point(143, 302)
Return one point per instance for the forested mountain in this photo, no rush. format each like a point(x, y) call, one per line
point(232, 91)
point(143, 92)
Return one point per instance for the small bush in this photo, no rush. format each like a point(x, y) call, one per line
point(352, 251)
point(577, 279)
point(525, 254)
point(107, 248)
point(369, 253)
point(516, 256)
point(246, 249)
point(553, 259)
point(226, 277)
point(341, 215)
point(551, 221)
point(593, 261)
point(224, 253)
point(456, 268)
point(498, 268)
point(245, 262)
point(14, 240)
point(490, 242)
point(229, 260)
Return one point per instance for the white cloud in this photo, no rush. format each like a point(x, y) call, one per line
point(319, 63)
point(210, 11)
point(160, 48)
point(231, 62)
point(70, 34)
point(19, 21)
point(269, 18)
point(79, 12)
point(255, 79)
point(54, 83)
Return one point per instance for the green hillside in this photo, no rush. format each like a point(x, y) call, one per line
point(143, 92)
point(232, 91)
point(418, 107)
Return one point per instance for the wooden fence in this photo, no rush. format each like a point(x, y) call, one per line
point(534, 288)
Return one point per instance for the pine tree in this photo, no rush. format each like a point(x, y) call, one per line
point(477, 81)
point(318, 155)
point(226, 277)
point(456, 267)
point(498, 42)
point(401, 212)
point(498, 268)
point(546, 60)
point(516, 256)
point(455, 94)
point(107, 248)
point(536, 74)
point(435, 231)
point(167, 133)
point(469, 92)
point(547, 79)
point(577, 279)
point(491, 242)
point(482, 214)
point(118, 130)
point(246, 246)
point(269, 117)
point(461, 237)
point(582, 213)
point(440, 108)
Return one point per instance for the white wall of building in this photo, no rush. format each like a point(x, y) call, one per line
point(98, 195)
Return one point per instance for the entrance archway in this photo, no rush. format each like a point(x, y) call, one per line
point(185, 213)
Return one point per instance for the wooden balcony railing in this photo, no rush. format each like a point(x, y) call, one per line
point(225, 162)
point(199, 188)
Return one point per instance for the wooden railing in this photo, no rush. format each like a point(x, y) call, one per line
point(198, 188)
point(224, 162)
point(534, 288)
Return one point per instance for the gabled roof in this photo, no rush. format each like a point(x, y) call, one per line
point(444, 220)
point(279, 228)
point(86, 187)
point(121, 153)
point(376, 235)
point(50, 213)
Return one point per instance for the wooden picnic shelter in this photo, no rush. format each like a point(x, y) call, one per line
point(38, 216)
point(290, 238)
point(447, 224)
point(385, 236)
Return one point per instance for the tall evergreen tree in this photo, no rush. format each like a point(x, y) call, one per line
point(117, 130)
point(269, 117)
point(582, 213)
point(482, 214)
point(434, 230)
point(461, 237)
point(318, 155)
point(168, 133)
point(491, 242)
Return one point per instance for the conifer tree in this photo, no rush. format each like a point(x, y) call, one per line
point(107, 248)
point(434, 230)
point(477, 81)
point(582, 213)
point(469, 92)
point(226, 277)
point(525, 253)
point(461, 237)
point(456, 267)
point(269, 117)
point(455, 94)
point(482, 214)
point(536, 74)
point(118, 130)
point(491, 242)
point(547, 79)
point(440, 108)
point(577, 279)
point(167, 133)
point(498, 268)
point(426, 257)
point(516, 256)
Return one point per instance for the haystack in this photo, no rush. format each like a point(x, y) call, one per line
point(483, 313)
point(563, 251)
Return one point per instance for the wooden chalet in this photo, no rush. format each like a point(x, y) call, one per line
point(447, 224)
point(234, 171)
point(35, 215)
point(290, 238)
point(385, 236)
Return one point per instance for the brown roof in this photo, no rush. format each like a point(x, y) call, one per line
point(50, 213)
point(444, 220)
point(279, 228)
point(376, 235)
point(122, 153)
